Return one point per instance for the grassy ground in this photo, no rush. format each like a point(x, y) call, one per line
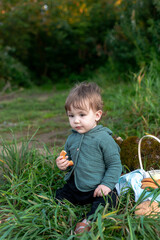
point(27, 206)
point(26, 111)
point(129, 109)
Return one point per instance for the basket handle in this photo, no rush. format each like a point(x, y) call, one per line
point(139, 148)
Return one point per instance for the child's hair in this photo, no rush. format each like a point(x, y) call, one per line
point(82, 93)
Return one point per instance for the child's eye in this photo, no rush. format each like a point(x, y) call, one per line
point(70, 115)
point(82, 114)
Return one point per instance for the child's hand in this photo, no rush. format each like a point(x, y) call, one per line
point(62, 163)
point(101, 190)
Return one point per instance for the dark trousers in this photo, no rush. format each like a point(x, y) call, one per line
point(73, 195)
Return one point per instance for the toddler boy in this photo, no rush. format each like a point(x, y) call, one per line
point(95, 154)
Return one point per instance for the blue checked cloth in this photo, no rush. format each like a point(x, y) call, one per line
point(133, 180)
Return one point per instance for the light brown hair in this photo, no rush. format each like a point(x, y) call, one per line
point(82, 93)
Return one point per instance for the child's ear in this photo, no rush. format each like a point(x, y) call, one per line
point(98, 115)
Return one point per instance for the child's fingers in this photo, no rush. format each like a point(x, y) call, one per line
point(99, 193)
point(62, 164)
point(95, 193)
point(60, 159)
point(101, 190)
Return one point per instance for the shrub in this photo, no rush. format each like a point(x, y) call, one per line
point(56, 39)
point(135, 36)
point(64, 38)
point(12, 71)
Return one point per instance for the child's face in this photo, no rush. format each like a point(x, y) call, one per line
point(83, 120)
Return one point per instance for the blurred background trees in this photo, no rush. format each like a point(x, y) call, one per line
point(56, 40)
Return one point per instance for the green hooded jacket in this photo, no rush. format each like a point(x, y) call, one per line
point(96, 158)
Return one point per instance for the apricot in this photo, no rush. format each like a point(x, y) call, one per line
point(63, 154)
point(71, 163)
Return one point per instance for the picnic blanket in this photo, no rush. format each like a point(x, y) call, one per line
point(133, 180)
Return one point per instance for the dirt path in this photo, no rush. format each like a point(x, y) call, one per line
point(49, 137)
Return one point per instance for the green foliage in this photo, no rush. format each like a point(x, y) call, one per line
point(56, 39)
point(145, 110)
point(15, 158)
point(12, 71)
point(29, 211)
point(133, 109)
point(130, 109)
point(135, 36)
point(30, 176)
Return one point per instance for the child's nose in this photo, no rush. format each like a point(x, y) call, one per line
point(76, 120)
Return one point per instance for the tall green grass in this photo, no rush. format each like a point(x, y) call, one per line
point(29, 178)
point(132, 108)
point(145, 110)
point(28, 209)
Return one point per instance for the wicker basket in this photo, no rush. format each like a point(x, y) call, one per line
point(152, 173)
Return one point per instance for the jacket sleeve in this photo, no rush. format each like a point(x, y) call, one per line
point(113, 166)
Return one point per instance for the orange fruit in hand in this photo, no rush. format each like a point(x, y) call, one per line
point(71, 163)
point(63, 154)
